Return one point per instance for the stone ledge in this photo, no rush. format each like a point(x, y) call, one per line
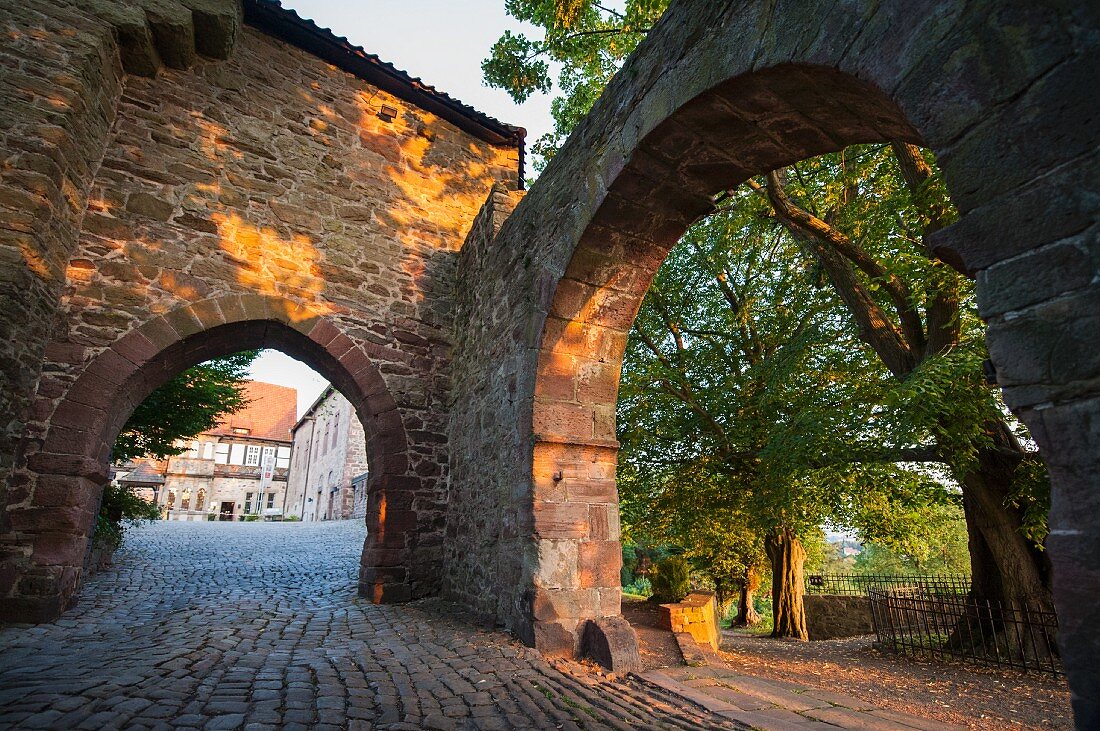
point(156, 33)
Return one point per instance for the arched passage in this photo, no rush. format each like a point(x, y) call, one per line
point(720, 92)
point(72, 465)
point(745, 126)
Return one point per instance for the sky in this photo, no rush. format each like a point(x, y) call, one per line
point(441, 41)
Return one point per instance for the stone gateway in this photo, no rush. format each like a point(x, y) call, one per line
point(187, 178)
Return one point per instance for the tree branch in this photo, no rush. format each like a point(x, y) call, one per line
point(875, 328)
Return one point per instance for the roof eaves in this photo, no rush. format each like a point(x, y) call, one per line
point(272, 18)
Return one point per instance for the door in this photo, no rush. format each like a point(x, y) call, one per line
point(226, 512)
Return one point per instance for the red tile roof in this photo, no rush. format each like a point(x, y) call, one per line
point(270, 413)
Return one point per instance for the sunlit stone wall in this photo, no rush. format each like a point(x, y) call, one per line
point(265, 186)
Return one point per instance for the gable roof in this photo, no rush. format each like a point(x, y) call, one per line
point(270, 17)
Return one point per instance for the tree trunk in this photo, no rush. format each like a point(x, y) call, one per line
point(787, 557)
point(747, 616)
point(1005, 566)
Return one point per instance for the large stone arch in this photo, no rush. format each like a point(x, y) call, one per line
point(71, 467)
point(719, 92)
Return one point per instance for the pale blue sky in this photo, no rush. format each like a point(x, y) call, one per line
point(441, 41)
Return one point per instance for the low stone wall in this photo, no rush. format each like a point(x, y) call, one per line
point(831, 616)
point(696, 615)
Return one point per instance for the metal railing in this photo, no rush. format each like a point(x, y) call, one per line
point(859, 584)
point(915, 622)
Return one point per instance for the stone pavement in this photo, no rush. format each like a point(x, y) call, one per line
point(773, 705)
point(258, 626)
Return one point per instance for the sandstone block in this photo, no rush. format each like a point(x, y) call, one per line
point(611, 642)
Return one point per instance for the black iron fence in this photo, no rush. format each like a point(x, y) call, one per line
point(859, 585)
point(939, 625)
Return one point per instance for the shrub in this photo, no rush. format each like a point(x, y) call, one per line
point(251, 517)
point(120, 509)
point(671, 580)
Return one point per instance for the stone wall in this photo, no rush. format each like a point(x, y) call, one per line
point(259, 201)
point(831, 617)
point(324, 467)
point(488, 522)
point(57, 104)
point(719, 92)
point(696, 615)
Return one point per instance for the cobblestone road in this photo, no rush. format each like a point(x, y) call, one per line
point(256, 626)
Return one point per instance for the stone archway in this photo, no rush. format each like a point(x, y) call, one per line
point(745, 126)
point(718, 93)
point(71, 468)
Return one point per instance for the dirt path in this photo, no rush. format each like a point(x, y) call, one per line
point(953, 693)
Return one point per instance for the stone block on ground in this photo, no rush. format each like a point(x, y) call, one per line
point(696, 615)
point(611, 642)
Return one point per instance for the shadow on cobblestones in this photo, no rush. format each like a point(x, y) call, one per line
point(258, 625)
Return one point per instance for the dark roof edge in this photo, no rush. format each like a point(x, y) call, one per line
point(271, 18)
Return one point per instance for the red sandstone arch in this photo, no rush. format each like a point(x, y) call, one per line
point(717, 92)
point(741, 127)
point(72, 464)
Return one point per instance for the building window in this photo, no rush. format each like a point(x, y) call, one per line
point(270, 500)
point(185, 500)
point(208, 450)
point(252, 455)
point(200, 499)
point(268, 452)
point(248, 502)
point(221, 453)
point(171, 501)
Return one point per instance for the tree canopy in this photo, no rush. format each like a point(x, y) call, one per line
point(586, 39)
point(191, 403)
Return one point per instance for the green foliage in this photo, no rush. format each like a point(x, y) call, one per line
point(189, 404)
point(749, 400)
point(120, 509)
point(671, 580)
point(1031, 496)
point(586, 39)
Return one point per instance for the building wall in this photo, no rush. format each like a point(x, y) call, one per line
point(217, 465)
point(330, 449)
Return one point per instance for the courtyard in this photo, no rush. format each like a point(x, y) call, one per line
point(258, 625)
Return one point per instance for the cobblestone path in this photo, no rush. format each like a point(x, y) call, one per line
point(257, 626)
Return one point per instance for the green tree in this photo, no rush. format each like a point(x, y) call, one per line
point(189, 404)
point(746, 409)
point(865, 217)
point(586, 39)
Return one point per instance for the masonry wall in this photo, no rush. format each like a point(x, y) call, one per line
point(722, 91)
point(488, 551)
point(316, 471)
point(262, 187)
point(57, 104)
